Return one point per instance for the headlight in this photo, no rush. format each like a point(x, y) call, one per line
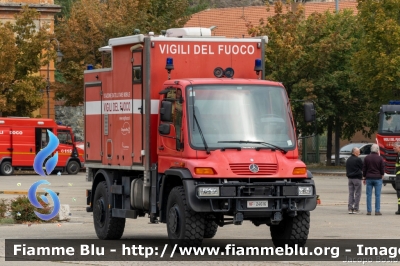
point(305, 191)
point(208, 191)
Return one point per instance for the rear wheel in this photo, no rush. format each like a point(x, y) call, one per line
point(6, 168)
point(106, 227)
point(183, 223)
point(291, 230)
point(73, 167)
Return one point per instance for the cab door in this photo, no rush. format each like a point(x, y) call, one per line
point(22, 145)
point(170, 125)
point(65, 147)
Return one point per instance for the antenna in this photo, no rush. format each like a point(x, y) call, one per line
point(198, 17)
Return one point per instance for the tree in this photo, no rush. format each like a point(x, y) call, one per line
point(92, 23)
point(330, 41)
point(377, 62)
point(312, 58)
point(24, 49)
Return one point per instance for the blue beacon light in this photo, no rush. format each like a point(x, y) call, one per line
point(258, 66)
point(169, 66)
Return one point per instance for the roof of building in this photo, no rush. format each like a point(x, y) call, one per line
point(231, 22)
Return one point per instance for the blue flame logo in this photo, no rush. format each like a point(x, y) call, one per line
point(32, 198)
point(38, 167)
point(43, 154)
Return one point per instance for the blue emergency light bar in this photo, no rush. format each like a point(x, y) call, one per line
point(170, 64)
point(89, 67)
point(257, 65)
point(394, 102)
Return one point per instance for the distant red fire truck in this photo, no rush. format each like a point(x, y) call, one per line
point(183, 129)
point(388, 133)
point(22, 138)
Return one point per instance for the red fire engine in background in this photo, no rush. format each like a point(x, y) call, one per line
point(388, 133)
point(22, 138)
point(214, 145)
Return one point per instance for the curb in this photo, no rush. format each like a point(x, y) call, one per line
point(22, 192)
point(329, 173)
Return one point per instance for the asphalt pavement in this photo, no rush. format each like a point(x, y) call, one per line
point(329, 221)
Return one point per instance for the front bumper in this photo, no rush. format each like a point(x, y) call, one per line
point(234, 196)
point(388, 179)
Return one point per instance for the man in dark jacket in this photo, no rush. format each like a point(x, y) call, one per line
point(373, 171)
point(354, 168)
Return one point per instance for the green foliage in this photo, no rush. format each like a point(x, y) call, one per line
point(313, 58)
point(23, 211)
point(377, 63)
point(196, 6)
point(23, 49)
point(65, 9)
point(3, 208)
point(92, 23)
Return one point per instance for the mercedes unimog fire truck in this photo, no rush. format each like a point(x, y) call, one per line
point(184, 130)
point(389, 133)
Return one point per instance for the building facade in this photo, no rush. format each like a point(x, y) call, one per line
point(47, 9)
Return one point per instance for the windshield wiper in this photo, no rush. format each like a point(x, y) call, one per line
point(201, 134)
point(256, 142)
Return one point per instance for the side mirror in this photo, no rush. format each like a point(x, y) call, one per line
point(309, 112)
point(164, 129)
point(166, 111)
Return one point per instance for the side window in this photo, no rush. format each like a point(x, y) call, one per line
point(177, 113)
point(367, 149)
point(44, 138)
point(64, 137)
point(171, 114)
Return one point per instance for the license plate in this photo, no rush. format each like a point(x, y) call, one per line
point(257, 204)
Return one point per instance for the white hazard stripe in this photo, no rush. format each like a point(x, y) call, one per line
point(127, 106)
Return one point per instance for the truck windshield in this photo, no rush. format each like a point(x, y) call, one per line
point(389, 122)
point(239, 113)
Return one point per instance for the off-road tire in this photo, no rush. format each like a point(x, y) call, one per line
point(106, 227)
point(73, 167)
point(183, 224)
point(210, 229)
point(6, 168)
point(291, 230)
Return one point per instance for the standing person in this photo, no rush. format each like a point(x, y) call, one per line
point(354, 167)
point(373, 171)
point(396, 147)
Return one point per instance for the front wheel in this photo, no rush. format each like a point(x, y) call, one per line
point(6, 168)
point(73, 167)
point(106, 227)
point(183, 223)
point(291, 230)
point(210, 229)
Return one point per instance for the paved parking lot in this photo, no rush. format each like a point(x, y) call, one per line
point(330, 220)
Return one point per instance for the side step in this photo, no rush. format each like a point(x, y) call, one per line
point(124, 213)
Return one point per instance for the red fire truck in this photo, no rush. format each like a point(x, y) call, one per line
point(388, 133)
point(22, 138)
point(183, 128)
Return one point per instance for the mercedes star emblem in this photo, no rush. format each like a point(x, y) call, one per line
point(253, 168)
